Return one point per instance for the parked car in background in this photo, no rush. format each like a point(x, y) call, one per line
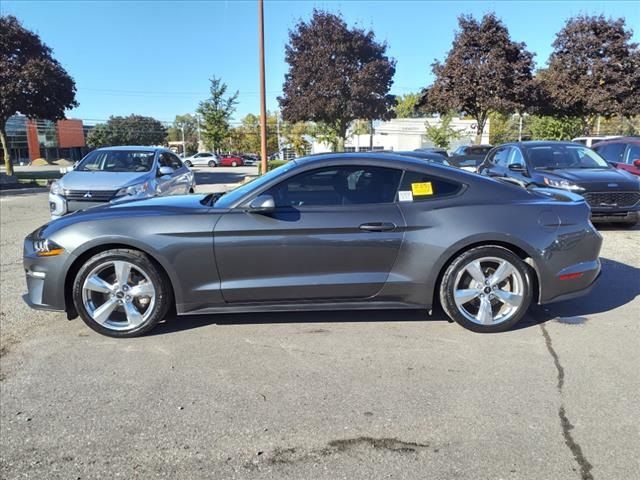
point(231, 161)
point(429, 156)
point(623, 153)
point(115, 174)
point(208, 159)
point(329, 232)
point(439, 151)
point(476, 150)
point(250, 160)
point(612, 194)
point(591, 141)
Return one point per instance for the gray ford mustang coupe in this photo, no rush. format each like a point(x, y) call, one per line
point(337, 231)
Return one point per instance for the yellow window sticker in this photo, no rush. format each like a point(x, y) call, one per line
point(423, 188)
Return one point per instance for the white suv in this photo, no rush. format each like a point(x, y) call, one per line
point(203, 159)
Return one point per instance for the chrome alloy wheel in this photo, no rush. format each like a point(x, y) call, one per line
point(118, 295)
point(489, 291)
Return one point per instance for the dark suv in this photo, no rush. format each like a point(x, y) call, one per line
point(613, 195)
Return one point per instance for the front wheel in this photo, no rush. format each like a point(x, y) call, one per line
point(188, 164)
point(234, 164)
point(121, 293)
point(486, 289)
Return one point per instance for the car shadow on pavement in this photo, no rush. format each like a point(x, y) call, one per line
point(618, 285)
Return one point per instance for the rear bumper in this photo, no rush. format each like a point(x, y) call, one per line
point(590, 282)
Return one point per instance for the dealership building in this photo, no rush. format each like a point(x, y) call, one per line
point(29, 139)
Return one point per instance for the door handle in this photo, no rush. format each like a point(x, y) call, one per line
point(378, 226)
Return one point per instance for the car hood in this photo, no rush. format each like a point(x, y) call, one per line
point(596, 177)
point(82, 180)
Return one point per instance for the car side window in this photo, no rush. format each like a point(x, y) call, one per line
point(515, 157)
point(612, 152)
point(417, 186)
point(164, 160)
point(633, 154)
point(344, 185)
point(174, 162)
point(501, 156)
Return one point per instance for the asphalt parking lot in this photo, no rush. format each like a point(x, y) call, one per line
point(323, 395)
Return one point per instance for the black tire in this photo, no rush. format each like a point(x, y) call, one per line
point(163, 293)
point(188, 164)
point(447, 288)
point(234, 164)
point(212, 163)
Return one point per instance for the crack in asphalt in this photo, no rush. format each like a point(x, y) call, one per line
point(565, 423)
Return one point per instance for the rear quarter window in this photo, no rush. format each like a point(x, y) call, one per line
point(423, 186)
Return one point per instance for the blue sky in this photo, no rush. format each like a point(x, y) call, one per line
point(155, 58)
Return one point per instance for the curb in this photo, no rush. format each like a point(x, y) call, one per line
point(22, 191)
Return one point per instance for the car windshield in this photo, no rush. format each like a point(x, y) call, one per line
point(233, 196)
point(116, 161)
point(555, 157)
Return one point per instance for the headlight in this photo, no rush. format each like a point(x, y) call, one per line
point(46, 248)
point(564, 184)
point(139, 190)
point(56, 188)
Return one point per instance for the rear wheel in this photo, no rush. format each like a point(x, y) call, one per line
point(188, 164)
point(486, 289)
point(121, 293)
point(212, 163)
point(234, 164)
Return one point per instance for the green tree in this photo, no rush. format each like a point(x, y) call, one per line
point(188, 123)
point(32, 82)
point(505, 128)
point(407, 106)
point(246, 137)
point(594, 69)
point(131, 130)
point(296, 135)
point(336, 75)
point(555, 128)
point(485, 71)
point(441, 134)
point(216, 114)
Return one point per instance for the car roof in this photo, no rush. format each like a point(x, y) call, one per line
point(140, 148)
point(387, 159)
point(539, 143)
point(634, 140)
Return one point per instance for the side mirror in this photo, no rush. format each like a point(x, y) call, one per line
point(163, 171)
point(262, 204)
point(517, 167)
point(636, 162)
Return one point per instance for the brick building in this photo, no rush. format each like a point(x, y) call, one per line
point(30, 139)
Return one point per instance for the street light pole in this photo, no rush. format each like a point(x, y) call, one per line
point(263, 101)
point(184, 145)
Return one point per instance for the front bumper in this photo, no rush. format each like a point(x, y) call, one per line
point(609, 216)
point(45, 277)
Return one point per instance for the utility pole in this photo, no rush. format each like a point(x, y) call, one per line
point(280, 156)
point(263, 100)
point(199, 139)
point(184, 145)
point(520, 128)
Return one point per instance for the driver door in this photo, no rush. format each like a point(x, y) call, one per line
point(334, 235)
